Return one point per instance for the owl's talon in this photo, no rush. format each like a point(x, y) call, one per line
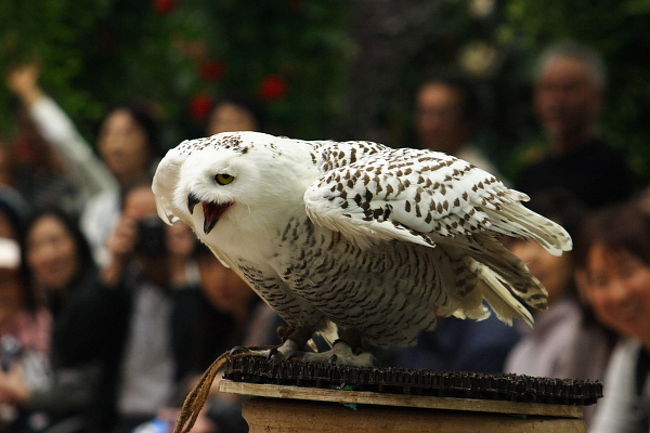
point(341, 354)
point(237, 350)
point(273, 353)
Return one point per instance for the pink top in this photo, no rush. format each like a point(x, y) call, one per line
point(33, 330)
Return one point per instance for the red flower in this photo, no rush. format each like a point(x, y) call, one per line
point(212, 70)
point(164, 6)
point(200, 106)
point(273, 87)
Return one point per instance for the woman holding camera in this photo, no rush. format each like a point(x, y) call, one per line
point(139, 321)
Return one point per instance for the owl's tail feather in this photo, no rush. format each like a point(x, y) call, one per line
point(500, 278)
point(517, 221)
point(501, 300)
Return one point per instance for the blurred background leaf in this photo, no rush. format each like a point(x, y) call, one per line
point(326, 68)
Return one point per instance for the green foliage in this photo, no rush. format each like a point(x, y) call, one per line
point(296, 54)
point(100, 53)
point(617, 30)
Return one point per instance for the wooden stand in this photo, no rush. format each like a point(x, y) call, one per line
point(292, 409)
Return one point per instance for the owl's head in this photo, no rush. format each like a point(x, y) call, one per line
point(219, 182)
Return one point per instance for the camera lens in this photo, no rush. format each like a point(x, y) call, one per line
point(151, 237)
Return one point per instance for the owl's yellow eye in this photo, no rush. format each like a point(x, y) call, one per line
point(224, 179)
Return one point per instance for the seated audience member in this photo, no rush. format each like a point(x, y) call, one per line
point(138, 321)
point(446, 119)
point(614, 264)
point(25, 327)
point(128, 144)
point(557, 345)
point(566, 341)
point(570, 86)
point(60, 267)
point(227, 292)
point(255, 324)
point(231, 113)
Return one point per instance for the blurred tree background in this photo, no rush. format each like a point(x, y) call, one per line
point(325, 68)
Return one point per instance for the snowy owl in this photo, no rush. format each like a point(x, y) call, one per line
point(380, 241)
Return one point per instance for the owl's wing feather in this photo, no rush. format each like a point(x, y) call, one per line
point(435, 200)
point(421, 196)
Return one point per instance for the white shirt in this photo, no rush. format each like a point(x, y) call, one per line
point(620, 408)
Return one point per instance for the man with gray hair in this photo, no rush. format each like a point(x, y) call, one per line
point(570, 85)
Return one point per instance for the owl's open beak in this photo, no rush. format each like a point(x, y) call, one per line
point(192, 201)
point(211, 211)
point(211, 214)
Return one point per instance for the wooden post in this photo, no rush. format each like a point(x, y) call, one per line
point(292, 409)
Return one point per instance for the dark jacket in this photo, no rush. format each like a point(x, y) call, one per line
point(96, 331)
point(596, 174)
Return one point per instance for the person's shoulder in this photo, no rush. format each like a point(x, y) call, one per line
point(601, 149)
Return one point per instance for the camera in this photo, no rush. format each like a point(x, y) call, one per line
point(152, 237)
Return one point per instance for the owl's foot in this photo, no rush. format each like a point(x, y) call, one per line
point(341, 354)
point(286, 350)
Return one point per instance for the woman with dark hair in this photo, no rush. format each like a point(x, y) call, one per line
point(614, 262)
point(128, 143)
point(234, 113)
point(55, 165)
point(59, 266)
point(565, 342)
point(58, 256)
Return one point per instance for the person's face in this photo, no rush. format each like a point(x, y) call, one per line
point(440, 123)
point(140, 203)
point(12, 296)
point(223, 287)
point(230, 117)
point(52, 253)
point(567, 99)
point(618, 289)
point(123, 146)
point(554, 272)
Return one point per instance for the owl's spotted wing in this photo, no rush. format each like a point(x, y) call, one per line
point(421, 196)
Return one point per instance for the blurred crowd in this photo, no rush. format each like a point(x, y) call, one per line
point(108, 316)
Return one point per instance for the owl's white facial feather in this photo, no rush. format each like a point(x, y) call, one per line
point(265, 187)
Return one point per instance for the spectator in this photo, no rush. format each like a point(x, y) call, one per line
point(128, 143)
point(24, 338)
point(614, 264)
point(145, 298)
point(232, 113)
point(60, 266)
point(447, 117)
point(570, 86)
point(54, 136)
point(566, 341)
point(254, 323)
